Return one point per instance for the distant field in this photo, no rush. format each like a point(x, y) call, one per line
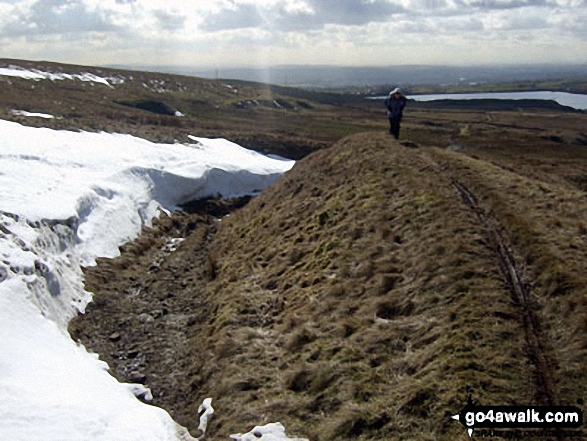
point(577, 85)
point(336, 77)
point(574, 85)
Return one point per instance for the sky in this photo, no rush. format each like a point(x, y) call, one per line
point(253, 33)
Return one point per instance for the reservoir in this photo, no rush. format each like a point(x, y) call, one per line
point(577, 101)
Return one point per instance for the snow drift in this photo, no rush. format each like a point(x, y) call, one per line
point(67, 198)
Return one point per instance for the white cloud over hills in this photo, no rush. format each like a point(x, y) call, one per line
point(245, 32)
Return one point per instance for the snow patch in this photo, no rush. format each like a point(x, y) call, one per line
point(67, 198)
point(32, 114)
point(268, 432)
point(206, 411)
point(34, 74)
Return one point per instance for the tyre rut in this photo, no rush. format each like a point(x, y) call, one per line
point(521, 295)
point(520, 291)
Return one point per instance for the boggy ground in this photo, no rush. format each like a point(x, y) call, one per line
point(360, 296)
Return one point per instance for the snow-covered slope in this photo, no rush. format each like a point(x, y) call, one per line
point(67, 198)
point(35, 74)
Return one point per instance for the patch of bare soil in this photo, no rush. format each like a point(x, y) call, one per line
point(363, 294)
point(148, 304)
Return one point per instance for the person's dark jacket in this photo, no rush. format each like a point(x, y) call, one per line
point(395, 106)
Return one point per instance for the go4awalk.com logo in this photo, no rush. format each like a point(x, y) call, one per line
point(474, 416)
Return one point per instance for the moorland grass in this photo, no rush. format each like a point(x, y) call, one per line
point(386, 302)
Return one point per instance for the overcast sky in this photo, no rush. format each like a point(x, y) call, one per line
point(221, 33)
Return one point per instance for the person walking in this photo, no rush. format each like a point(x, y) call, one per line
point(395, 104)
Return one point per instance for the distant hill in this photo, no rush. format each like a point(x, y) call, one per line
point(164, 107)
point(339, 76)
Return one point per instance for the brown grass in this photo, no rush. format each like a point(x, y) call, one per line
point(391, 305)
point(245, 114)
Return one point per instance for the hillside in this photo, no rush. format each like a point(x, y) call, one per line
point(362, 294)
point(272, 119)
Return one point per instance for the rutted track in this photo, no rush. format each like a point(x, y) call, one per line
point(522, 297)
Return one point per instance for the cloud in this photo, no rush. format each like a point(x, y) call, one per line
point(429, 4)
point(459, 25)
point(521, 20)
point(313, 15)
point(224, 32)
point(242, 15)
point(501, 4)
point(353, 12)
point(169, 21)
point(48, 17)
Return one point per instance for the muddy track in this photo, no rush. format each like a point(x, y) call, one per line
point(144, 318)
point(522, 297)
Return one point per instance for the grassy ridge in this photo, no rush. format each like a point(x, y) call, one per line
point(361, 295)
point(372, 296)
point(369, 307)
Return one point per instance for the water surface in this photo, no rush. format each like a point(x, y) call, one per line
point(574, 100)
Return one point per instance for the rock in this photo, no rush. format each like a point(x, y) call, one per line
point(133, 353)
point(138, 378)
point(146, 318)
